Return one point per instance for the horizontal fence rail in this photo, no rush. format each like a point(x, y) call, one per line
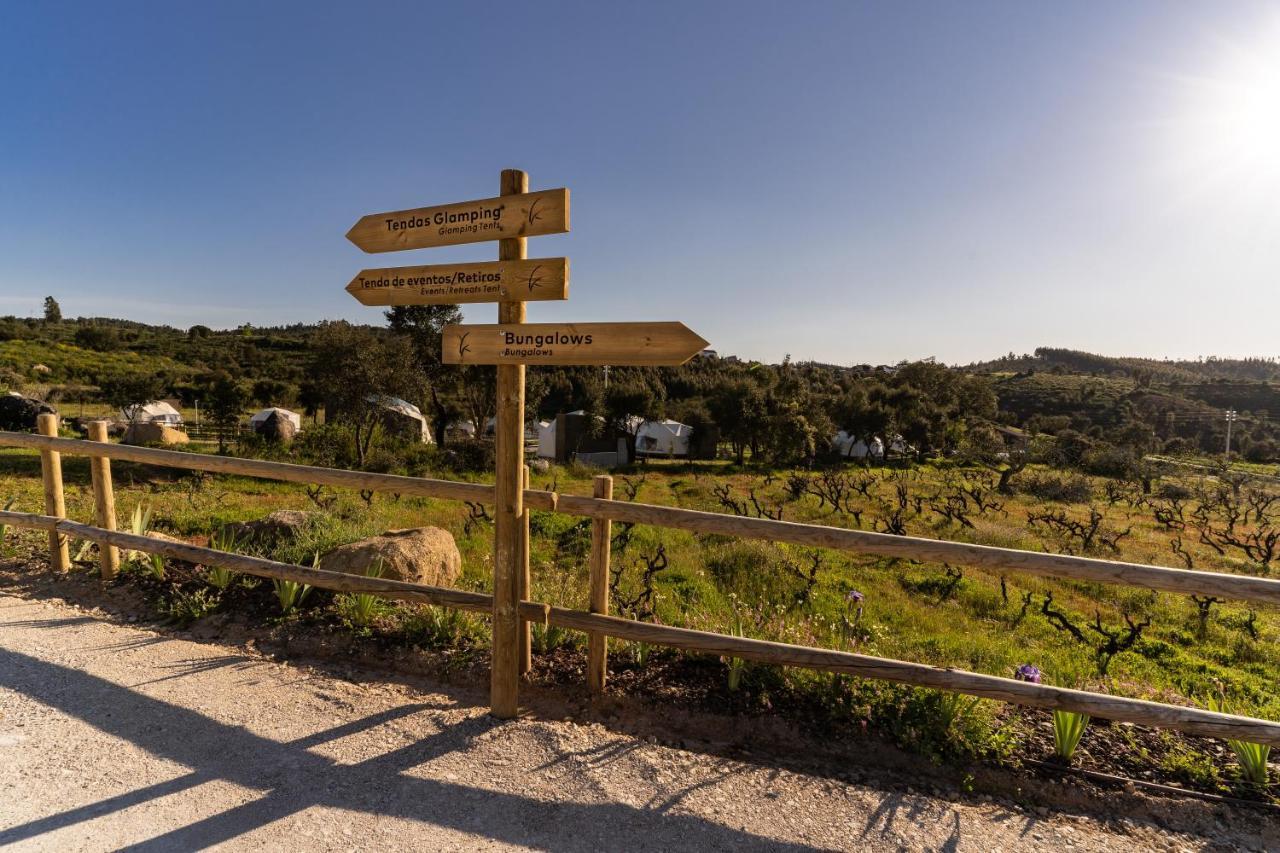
point(1060, 566)
point(1063, 566)
point(1190, 720)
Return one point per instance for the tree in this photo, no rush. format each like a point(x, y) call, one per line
point(631, 398)
point(52, 313)
point(423, 326)
point(225, 401)
point(100, 338)
point(355, 366)
point(311, 398)
point(132, 390)
point(739, 410)
point(271, 392)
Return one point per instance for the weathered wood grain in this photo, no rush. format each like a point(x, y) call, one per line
point(526, 215)
point(532, 280)
point(652, 344)
point(104, 500)
point(1238, 587)
point(508, 434)
point(54, 498)
point(601, 533)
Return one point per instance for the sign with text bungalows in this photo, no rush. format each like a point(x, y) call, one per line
point(640, 344)
point(521, 215)
point(449, 284)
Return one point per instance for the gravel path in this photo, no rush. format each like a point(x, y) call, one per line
point(114, 736)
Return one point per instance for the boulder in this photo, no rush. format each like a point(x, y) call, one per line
point(154, 434)
point(18, 413)
point(276, 427)
point(426, 555)
point(279, 525)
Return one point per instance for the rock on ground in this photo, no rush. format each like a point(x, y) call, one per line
point(426, 555)
point(279, 525)
point(19, 414)
point(154, 434)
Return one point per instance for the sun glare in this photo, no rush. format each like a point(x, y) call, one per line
point(1229, 128)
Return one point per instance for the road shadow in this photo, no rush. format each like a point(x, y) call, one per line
point(291, 778)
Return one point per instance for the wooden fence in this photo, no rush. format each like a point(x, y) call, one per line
point(599, 625)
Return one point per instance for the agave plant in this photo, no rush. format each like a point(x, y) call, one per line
point(361, 607)
point(737, 666)
point(220, 577)
point(1253, 757)
point(139, 524)
point(290, 594)
point(1068, 726)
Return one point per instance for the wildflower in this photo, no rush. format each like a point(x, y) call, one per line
point(854, 597)
point(1027, 672)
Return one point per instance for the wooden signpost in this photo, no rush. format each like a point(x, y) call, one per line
point(531, 215)
point(651, 344)
point(510, 344)
point(450, 284)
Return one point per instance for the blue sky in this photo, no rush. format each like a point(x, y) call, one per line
point(847, 182)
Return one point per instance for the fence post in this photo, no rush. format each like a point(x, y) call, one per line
point(522, 591)
point(54, 501)
point(104, 500)
point(601, 531)
point(504, 667)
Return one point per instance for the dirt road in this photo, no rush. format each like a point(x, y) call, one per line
point(118, 737)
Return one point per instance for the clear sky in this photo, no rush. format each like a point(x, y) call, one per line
point(848, 182)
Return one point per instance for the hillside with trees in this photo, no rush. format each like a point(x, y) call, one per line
point(1116, 408)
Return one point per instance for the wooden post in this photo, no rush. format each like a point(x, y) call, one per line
point(54, 502)
point(522, 592)
point(504, 676)
point(601, 531)
point(104, 500)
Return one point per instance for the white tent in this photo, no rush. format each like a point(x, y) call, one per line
point(856, 448)
point(547, 439)
point(407, 410)
point(461, 428)
point(663, 438)
point(155, 412)
point(261, 417)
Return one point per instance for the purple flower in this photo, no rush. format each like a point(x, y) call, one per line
point(1027, 672)
point(854, 597)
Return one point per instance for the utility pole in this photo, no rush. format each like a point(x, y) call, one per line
point(1231, 419)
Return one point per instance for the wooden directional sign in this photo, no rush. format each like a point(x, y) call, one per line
point(522, 215)
point(653, 344)
point(448, 284)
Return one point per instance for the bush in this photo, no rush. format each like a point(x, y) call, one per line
point(326, 445)
point(469, 457)
point(1107, 460)
point(1047, 487)
point(1261, 451)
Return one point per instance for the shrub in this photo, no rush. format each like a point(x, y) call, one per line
point(326, 445)
point(290, 594)
point(469, 456)
point(1048, 487)
point(1068, 726)
point(359, 608)
point(1252, 757)
point(1107, 460)
point(186, 607)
